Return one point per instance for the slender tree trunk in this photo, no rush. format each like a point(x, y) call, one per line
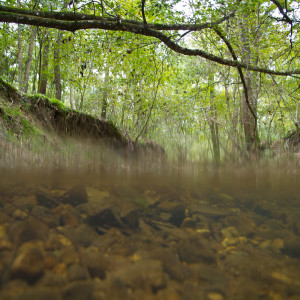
point(105, 93)
point(20, 56)
point(29, 59)
point(43, 80)
point(72, 95)
point(213, 123)
point(57, 74)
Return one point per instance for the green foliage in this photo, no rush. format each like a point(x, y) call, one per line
point(152, 93)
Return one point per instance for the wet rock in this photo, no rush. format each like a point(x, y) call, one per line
point(264, 212)
point(5, 245)
point(82, 235)
point(28, 265)
point(170, 263)
point(177, 214)
point(57, 241)
point(132, 219)
point(188, 223)
point(146, 275)
point(106, 218)
point(292, 248)
point(214, 296)
point(229, 232)
point(117, 289)
point(79, 290)
point(25, 202)
point(45, 198)
point(20, 214)
point(66, 215)
point(45, 214)
point(194, 250)
point(202, 272)
point(29, 229)
point(210, 211)
point(76, 272)
point(40, 293)
point(69, 256)
point(75, 196)
point(96, 263)
point(53, 279)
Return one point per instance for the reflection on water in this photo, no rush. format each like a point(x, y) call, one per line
point(112, 227)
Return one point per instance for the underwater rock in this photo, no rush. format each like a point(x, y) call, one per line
point(292, 248)
point(75, 196)
point(44, 198)
point(188, 223)
point(28, 265)
point(132, 219)
point(96, 263)
point(40, 293)
point(82, 235)
point(106, 218)
point(146, 274)
point(177, 215)
point(76, 272)
point(194, 250)
point(28, 230)
point(78, 290)
point(170, 263)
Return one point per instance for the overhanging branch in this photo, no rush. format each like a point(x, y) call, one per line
point(73, 22)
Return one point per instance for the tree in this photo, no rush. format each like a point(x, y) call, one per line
point(144, 98)
point(73, 21)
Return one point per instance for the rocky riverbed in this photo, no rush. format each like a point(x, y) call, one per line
point(162, 240)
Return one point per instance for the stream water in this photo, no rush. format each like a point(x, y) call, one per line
point(135, 233)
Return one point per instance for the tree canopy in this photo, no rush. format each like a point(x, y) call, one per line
point(113, 15)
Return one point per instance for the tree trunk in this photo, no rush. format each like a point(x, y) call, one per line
point(57, 74)
point(105, 93)
point(249, 122)
point(29, 59)
point(20, 56)
point(72, 95)
point(212, 122)
point(44, 66)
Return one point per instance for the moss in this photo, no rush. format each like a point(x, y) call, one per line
point(27, 128)
point(59, 104)
point(5, 85)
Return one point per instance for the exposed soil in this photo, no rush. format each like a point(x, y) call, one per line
point(54, 116)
